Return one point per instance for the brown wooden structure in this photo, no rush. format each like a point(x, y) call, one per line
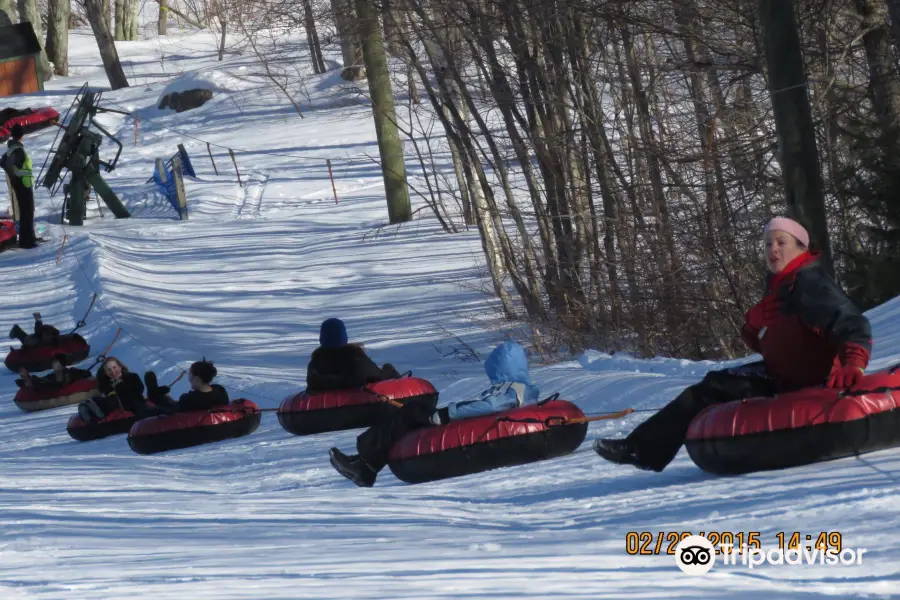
point(19, 52)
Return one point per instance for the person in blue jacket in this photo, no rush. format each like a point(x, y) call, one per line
point(511, 387)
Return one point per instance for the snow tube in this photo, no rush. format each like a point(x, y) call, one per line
point(797, 428)
point(514, 437)
point(30, 400)
point(30, 120)
point(182, 430)
point(306, 414)
point(71, 345)
point(116, 422)
point(7, 233)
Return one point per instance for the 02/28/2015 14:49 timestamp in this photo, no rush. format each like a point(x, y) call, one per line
point(659, 542)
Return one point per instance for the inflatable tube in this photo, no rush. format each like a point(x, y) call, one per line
point(30, 400)
point(71, 345)
point(523, 435)
point(116, 422)
point(7, 233)
point(30, 120)
point(182, 430)
point(797, 428)
point(306, 414)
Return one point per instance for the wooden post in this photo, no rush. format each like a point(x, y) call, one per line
point(234, 160)
point(211, 159)
point(161, 169)
point(137, 127)
point(59, 256)
point(179, 186)
point(331, 176)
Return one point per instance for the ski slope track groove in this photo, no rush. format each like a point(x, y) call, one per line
point(246, 284)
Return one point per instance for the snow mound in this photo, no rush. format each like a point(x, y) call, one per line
point(214, 81)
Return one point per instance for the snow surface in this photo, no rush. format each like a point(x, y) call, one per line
point(245, 282)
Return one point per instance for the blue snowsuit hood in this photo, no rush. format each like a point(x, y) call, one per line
point(507, 363)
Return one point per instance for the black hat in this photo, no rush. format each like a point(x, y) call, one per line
point(17, 131)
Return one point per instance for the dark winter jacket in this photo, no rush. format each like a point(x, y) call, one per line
point(343, 367)
point(14, 160)
point(127, 393)
point(195, 400)
point(811, 327)
point(70, 376)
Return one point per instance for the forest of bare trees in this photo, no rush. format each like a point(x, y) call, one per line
point(619, 159)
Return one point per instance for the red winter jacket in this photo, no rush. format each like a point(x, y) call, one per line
point(805, 325)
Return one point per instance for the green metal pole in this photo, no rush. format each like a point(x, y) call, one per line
point(76, 199)
point(105, 192)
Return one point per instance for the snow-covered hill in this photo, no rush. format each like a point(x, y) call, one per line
point(246, 282)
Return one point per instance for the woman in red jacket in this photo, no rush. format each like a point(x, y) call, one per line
point(807, 330)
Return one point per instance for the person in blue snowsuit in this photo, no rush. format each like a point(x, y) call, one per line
point(511, 387)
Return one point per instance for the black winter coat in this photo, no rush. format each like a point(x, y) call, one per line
point(195, 400)
point(342, 368)
point(129, 392)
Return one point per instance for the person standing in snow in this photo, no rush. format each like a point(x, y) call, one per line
point(339, 365)
point(511, 387)
point(806, 329)
point(17, 165)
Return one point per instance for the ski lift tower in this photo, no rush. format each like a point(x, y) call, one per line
point(79, 152)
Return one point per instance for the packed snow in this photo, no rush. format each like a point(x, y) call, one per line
point(246, 281)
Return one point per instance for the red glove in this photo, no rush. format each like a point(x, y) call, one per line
point(851, 368)
point(845, 377)
point(764, 313)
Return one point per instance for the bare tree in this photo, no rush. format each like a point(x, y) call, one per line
point(108, 53)
point(28, 11)
point(57, 45)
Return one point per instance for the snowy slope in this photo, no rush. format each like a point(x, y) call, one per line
point(245, 282)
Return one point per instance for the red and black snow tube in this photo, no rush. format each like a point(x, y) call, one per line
point(116, 422)
point(7, 233)
point(182, 430)
point(797, 428)
point(514, 437)
point(30, 400)
point(30, 120)
point(71, 345)
point(306, 414)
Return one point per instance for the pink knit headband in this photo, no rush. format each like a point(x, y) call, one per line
point(789, 226)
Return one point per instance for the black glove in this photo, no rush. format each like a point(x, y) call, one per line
point(152, 384)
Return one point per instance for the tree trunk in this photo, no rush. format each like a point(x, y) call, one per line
point(793, 121)
point(390, 146)
point(223, 21)
point(351, 49)
point(162, 25)
point(106, 44)
point(392, 18)
point(893, 7)
point(119, 6)
point(9, 14)
point(312, 37)
point(28, 11)
point(58, 12)
point(130, 22)
point(884, 88)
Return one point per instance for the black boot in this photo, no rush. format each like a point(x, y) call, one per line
point(353, 468)
point(17, 333)
point(620, 452)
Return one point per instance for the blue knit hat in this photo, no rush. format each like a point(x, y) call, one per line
point(332, 333)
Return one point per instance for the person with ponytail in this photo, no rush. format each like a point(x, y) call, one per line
point(204, 394)
point(807, 330)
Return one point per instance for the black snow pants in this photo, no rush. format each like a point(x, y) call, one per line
point(374, 444)
point(25, 199)
point(657, 440)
